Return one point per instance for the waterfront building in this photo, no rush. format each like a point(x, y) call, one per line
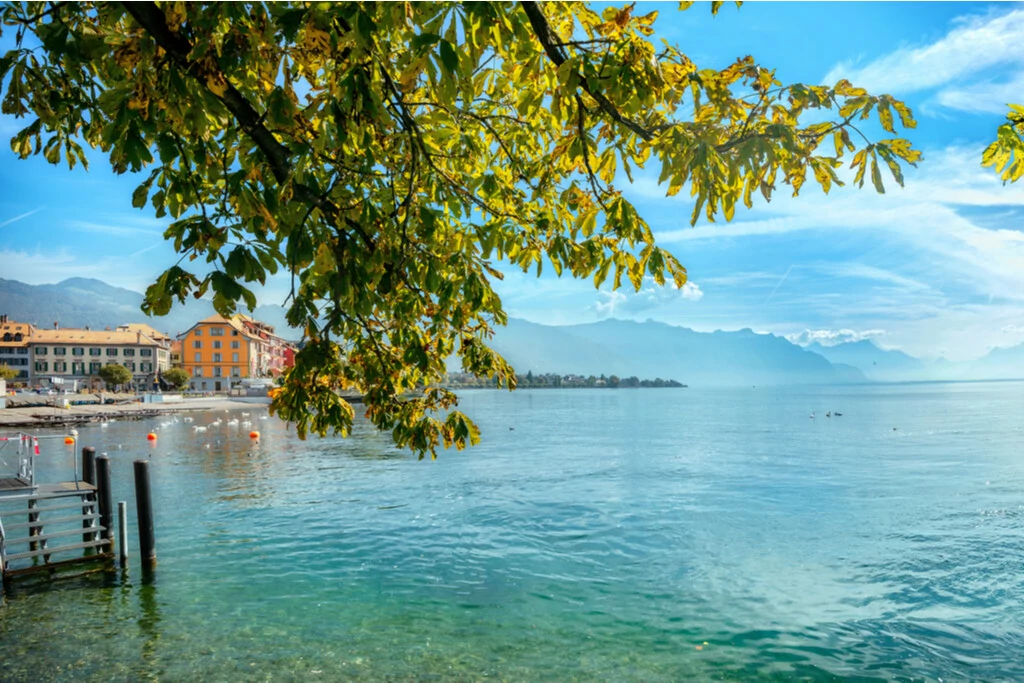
point(76, 355)
point(219, 352)
point(14, 350)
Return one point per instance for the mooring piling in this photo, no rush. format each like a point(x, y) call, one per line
point(122, 533)
point(144, 508)
point(105, 498)
point(89, 465)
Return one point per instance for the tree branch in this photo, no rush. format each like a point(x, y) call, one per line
point(151, 18)
point(551, 45)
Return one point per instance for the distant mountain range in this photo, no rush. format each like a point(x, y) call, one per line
point(84, 302)
point(612, 347)
point(651, 349)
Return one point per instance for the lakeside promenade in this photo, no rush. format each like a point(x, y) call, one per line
point(49, 416)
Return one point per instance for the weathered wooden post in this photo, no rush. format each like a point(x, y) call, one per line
point(104, 497)
point(144, 509)
point(89, 465)
point(122, 533)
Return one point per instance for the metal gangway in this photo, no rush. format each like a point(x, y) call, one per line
point(45, 526)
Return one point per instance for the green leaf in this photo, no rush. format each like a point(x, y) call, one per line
point(449, 57)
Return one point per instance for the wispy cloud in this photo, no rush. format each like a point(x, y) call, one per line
point(982, 97)
point(975, 44)
point(15, 219)
point(113, 230)
point(832, 337)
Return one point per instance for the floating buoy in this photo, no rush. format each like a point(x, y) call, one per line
point(254, 435)
point(69, 440)
point(151, 436)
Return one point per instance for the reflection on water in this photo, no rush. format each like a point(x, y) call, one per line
point(626, 535)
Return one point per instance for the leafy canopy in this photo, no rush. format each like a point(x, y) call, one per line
point(1006, 154)
point(176, 377)
point(115, 375)
point(389, 155)
point(7, 372)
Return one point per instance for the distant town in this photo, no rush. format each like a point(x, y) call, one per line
point(555, 381)
point(217, 353)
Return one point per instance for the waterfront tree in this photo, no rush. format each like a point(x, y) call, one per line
point(7, 372)
point(115, 375)
point(176, 377)
point(393, 158)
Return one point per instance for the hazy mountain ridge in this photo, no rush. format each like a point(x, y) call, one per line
point(652, 349)
point(85, 302)
point(621, 347)
point(877, 364)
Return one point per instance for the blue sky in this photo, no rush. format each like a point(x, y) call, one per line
point(934, 269)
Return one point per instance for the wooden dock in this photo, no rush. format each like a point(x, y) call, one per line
point(49, 527)
point(45, 527)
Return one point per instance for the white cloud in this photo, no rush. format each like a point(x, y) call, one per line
point(975, 44)
point(985, 97)
point(650, 296)
point(832, 337)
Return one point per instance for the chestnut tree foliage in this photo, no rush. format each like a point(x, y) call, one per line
point(390, 156)
point(1006, 153)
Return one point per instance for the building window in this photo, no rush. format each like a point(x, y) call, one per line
point(216, 344)
point(42, 366)
point(234, 333)
point(216, 371)
point(111, 352)
point(96, 351)
point(235, 372)
point(78, 368)
point(234, 344)
point(129, 352)
point(130, 365)
point(41, 351)
point(216, 331)
point(234, 357)
point(145, 352)
point(216, 358)
point(197, 372)
point(199, 333)
point(94, 368)
point(199, 358)
point(21, 349)
point(60, 351)
point(77, 351)
point(146, 367)
point(60, 366)
point(197, 344)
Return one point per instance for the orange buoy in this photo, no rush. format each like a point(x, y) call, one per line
point(151, 436)
point(69, 440)
point(254, 435)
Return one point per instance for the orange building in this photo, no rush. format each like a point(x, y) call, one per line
point(218, 352)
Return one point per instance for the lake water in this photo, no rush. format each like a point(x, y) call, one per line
point(660, 534)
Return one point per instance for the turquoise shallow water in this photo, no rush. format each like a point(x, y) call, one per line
point(613, 535)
